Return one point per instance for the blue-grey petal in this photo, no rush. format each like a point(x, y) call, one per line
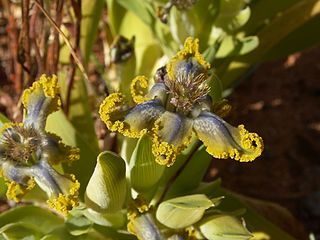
point(143, 115)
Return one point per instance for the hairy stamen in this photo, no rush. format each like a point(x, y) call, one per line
point(187, 89)
point(20, 144)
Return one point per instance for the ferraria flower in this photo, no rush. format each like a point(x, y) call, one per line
point(28, 153)
point(176, 107)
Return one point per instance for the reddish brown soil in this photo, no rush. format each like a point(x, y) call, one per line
point(281, 102)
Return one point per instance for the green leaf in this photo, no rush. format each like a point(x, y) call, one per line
point(242, 18)
point(224, 227)
point(18, 231)
point(183, 211)
point(299, 39)
point(197, 168)
point(115, 220)
point(254, 221)
point(270, 34)
point(44, 220)
point(147, 50)
point(78, 224)
point(228, 18)
point(145, 172)
point(113, 234)
point(140, 8)
point(79, 110)
point(91, 11)
point(3, 119)
point(231, 46)
point(115, 15)
point(60, 125)
point(106, 190)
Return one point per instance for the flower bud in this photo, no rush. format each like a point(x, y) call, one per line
point(106, 190)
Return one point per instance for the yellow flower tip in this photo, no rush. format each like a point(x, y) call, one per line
point(137, 87)
point(65, 203)
point(108, 107)
point(46, 85)
point(251, 143)
point(73, 154)
point(165, 153)
point(190, 49)
point(16, 191)
point(250, 147)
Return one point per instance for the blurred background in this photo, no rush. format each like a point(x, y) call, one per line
point(265, 58)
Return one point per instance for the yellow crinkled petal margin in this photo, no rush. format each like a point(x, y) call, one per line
point(137, 207)
point(68, 154)
point(109, 106)
point(65, 203)
point(49, 86)
point(165, 153)
point(16, 191)
point(190, 48)
point(251, 144)
point(137, 87)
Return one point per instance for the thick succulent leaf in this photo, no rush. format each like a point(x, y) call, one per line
point(140, 8)
point(3, 119)
point(299, 39)
point(44, 220)
point(145, 172)
point(228, 14)
point(113, 234)
point(18, 230)
point(197, 168)
point(181, 25)
point(254, 221)
point(58, 123)
point(183, 211)
point(224, 227)
point(147, 50)
point(115, 15)
point(92, 10)
point(106, 190)
point(231, 46)
point(115, 220)
point(242, 18)
point(79, 110)
point(290, 19)
point(77, 224)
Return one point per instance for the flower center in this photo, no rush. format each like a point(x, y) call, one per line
point(188, 86)
point(21, 145)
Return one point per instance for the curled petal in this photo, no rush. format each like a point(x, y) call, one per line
point(171, 134)
point(112, 112)
point(55, 151)
point(62, 190)
point(16, 191)
point(223, 140)
point(18, 180)
point(40, 100)
point(190, 50)
point(137, 87)
point(143, 115)
point(158, 91)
